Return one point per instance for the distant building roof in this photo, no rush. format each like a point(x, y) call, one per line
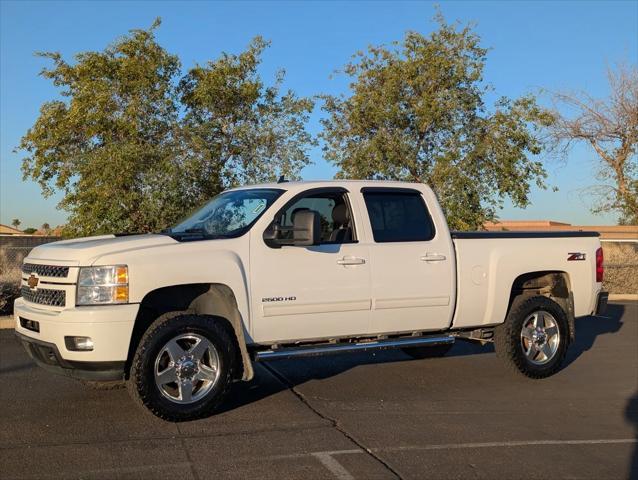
point(51, 232)
point(607, 232)
point(7, 230)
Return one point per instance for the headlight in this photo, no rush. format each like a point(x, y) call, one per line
point(103, 285)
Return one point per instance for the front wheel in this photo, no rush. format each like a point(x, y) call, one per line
point(183, 367)
point(533, 339)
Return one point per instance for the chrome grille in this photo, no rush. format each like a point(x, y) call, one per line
point(45, 270)
point(44, 296)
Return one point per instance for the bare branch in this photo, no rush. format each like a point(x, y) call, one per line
point(610, 127)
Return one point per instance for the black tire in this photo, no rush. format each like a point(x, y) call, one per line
point(108, 385)
point(508, 341)
point(142, 386)
point(428, 352)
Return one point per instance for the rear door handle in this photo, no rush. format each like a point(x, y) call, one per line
point(433, 257)
point(351, 261)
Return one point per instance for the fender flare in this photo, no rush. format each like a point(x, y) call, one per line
point(220, 301)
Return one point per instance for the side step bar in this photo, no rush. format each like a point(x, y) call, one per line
point(335, 348)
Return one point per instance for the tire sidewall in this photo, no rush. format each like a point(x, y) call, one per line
point(518, 315)
point(143, 372)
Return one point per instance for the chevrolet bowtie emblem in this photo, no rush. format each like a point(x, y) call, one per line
point(33, 281)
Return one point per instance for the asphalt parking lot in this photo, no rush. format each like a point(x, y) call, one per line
point(357, 416)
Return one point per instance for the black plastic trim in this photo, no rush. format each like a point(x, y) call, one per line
point(32, 325)
point(395, 190)
point(47, 356)
point(566, 234)
point(601, 303)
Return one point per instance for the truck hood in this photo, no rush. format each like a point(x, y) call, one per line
point(84, 251)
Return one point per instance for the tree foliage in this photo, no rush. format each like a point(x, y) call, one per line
point(610, 127)
point(416, 112)
point(238, 130)
point(16, 222)
point(134, 144)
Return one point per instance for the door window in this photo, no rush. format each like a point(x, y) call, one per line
point(334, 215)
point(398, 216)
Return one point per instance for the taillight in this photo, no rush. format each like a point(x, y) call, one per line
point(600, 270)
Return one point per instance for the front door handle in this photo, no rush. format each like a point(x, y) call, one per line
point(432, 257)
point(351, 261)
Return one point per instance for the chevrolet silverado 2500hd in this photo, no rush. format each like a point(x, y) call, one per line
point(288, 270)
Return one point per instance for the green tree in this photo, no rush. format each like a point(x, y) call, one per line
point(416, 112)
point(16, 222)
point(30, 230)
point(238, 130)
point(134, 144)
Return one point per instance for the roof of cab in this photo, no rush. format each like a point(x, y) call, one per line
point(299, 185)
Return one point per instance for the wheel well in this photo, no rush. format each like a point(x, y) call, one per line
point(552, 284)
point(199, 298)
point(548, 283)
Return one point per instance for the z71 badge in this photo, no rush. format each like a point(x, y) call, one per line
point(571, 257)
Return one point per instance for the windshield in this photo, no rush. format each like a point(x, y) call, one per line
point(229, 214)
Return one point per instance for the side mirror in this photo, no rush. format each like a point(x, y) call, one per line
point(306, 229)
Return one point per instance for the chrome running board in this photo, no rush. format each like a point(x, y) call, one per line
point(336, 348)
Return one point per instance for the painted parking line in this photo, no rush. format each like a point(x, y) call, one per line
point(333, 465)
point(328, 460)
point(523, 443)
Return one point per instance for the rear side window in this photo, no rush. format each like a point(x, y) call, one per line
point(398, 217)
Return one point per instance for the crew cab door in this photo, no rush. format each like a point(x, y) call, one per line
point(413, 264)
point(321, 291)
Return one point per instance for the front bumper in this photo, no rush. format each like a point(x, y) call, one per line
point(601, 303)
point(110, 327)
point(47, 356)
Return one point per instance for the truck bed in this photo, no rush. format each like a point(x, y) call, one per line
point(488, 266)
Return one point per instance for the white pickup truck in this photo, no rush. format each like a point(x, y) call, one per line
point(288, 270)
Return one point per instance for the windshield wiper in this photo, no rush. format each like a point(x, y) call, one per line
point(200, 231)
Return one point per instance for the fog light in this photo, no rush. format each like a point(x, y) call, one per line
point(78, 343)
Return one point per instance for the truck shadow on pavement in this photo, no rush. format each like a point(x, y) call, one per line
point(291, 373)
point(588, 329)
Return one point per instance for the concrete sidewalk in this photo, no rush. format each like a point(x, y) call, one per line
point(6, 322)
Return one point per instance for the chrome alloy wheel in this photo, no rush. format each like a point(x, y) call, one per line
point(540, 337)
point(186, 368)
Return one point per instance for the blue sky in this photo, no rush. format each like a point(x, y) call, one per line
point(556, 45)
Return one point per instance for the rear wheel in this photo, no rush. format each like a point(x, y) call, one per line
point(183, 367)
point(533, 339)
point(428, 352)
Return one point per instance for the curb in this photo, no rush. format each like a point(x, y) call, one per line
point(6, 322)
point(623, 296)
